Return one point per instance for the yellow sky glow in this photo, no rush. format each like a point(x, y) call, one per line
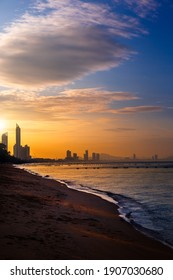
point(52, 139)
point(2, 125)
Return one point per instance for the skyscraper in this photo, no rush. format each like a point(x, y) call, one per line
point(86, 156)
point(17, 146)
point(93, 156)
point(68, 154)
point(5, 140)
point(18, 135)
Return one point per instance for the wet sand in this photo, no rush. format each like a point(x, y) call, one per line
point(43, 219)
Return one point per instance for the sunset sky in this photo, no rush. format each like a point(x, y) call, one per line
point(80, 74)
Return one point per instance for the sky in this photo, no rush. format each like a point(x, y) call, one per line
point(83, 74)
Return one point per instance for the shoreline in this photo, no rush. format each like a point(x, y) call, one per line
point(44, 219)
point(103, 195)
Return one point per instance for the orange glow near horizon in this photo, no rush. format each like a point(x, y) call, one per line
point(51, 140)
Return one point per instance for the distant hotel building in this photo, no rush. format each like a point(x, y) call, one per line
point(68, 155)
point(75, 156)
point(5, 140)
point(86, 156)
point(20, 151)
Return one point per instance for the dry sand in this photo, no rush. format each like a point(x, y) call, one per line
point(43, 219)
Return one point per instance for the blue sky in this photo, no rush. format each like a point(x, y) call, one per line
point(106, 63)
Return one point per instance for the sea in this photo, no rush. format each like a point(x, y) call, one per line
point(144, 196)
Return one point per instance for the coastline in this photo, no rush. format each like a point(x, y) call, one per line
point(43, 219)
point(110, 197)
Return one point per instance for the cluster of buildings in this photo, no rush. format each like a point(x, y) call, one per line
point(23, 152)
point(73, 156)
point(19, 151)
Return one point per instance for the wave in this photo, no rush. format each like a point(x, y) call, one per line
point(131, 210)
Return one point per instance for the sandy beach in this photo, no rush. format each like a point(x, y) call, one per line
point(42, 219)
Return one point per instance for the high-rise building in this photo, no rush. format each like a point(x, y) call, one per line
point(68, 155)
point(17, 146)
point(86, 157)
point(5, 140)
point(97, 157)
point(93, 156)
point(75, 156)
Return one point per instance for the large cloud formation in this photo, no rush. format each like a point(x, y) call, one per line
point(57, 42)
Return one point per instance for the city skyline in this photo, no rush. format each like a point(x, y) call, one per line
point(23, 152)
point(19, 151)
point(86, 74)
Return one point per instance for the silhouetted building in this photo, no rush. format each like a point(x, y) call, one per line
point(68, 155)
point(97, 156)
point(25, 152)
point(93, 156)
point(86, 157)
point(5, 140)
point(17, 146)
point(75, 156)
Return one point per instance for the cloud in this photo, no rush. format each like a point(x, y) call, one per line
point(57, 42)
point(98, 94)
point(141, 7)
point(137, 109)
point(69, 105)
point(66, 105)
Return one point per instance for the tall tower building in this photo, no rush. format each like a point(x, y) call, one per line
point(17, 146)
point(5, 140)
point(18, 136)
point(86, 156)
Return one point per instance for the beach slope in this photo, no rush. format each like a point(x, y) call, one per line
point(42, 219)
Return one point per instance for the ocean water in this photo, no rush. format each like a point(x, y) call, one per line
point(144, 195)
